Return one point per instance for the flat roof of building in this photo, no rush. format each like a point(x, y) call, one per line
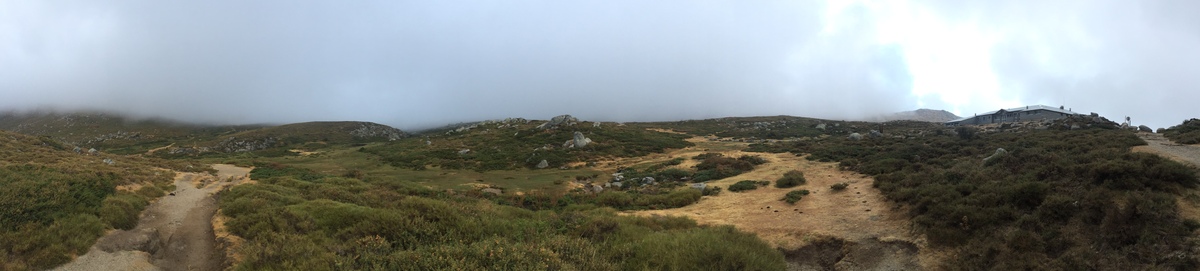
point(1021, 109)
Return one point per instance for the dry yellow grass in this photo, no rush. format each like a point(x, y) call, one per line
point(857, 213)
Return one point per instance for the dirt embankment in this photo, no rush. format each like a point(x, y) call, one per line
point(852, 229)
point(174, 233)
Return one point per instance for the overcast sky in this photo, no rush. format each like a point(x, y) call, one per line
point(415, 64)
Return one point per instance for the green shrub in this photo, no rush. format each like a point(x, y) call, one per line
point(790, 179)
point(743, 186)
point(795, 195)
point(150, 192)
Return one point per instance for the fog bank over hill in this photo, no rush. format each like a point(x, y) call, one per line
point(424, 64)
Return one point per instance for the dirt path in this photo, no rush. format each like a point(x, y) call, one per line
point(853, 229)
point(174, 233)
point(1157, 144)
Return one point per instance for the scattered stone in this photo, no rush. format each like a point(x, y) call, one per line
point(875, 134)
point(92, 151)
point(999, 152)
point(596, 124)
point(493, 191)
point(597, 189)
point(821, 126)
point(1144, 128)
point(700, 186)
point(580, 141)
point(543, 164)
point(648, 180)
point(109, 161)
point(464, 151)
point(855, 136)
point(617, 184)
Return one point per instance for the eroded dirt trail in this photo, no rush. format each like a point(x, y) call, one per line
point(1157, 144)
point(174, 233)
point(852, 229)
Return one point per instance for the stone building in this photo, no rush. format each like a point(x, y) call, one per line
point(1017, 114)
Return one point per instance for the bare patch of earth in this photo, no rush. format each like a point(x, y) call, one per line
point(174, 233)
point(1157, 144)
point(852, 229)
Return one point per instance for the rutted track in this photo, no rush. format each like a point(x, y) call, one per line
point(174, 233)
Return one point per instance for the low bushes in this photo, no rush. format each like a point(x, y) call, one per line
point(790, 179)
point(747, 185)
point(287, 225)
point(795, 195)
point(1074, 199)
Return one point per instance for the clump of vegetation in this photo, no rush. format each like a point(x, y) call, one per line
point(795, 195)
point(1187, 132)
point(714, 166)
point(839, 186)
point(791, 179)
point(747, 185)
point(1074, 199)
point(743, 186)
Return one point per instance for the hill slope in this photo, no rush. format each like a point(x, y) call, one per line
point(927, 115)
point(55, 202)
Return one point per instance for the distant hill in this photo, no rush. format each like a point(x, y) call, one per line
point(119, 134)
point(927, 115)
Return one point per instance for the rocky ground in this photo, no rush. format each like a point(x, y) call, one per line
point(174, 233)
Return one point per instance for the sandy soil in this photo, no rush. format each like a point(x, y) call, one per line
point(1157, 144)
point(174, 233)
point(861, 221)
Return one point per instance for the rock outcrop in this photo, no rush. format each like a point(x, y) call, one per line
point(562, 120)
point(580, 141)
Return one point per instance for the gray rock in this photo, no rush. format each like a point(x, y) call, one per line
point(543, 164)
point(109, 161)
point(617, 184)
point(999, 152)
point(618, 176)
point(580, 141)
point(559, 121)
point(597, 188)
point(875, 134)
point(855, 136)
point(821, 126)
point(699, 186)
point(92, 151)
point(493, 191)
point(1144, 128)
point(464, 151)
point(1075, 127)
point(570, 143)
point(648, 180)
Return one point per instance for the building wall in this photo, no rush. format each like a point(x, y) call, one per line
point(1001, 117)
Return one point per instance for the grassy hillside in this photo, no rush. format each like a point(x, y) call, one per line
point(296, 219)
point(520, 144)
point(113, 133)
point(784, 127)
point(55, 203)
point(1187, 132)
point(1054, 200)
